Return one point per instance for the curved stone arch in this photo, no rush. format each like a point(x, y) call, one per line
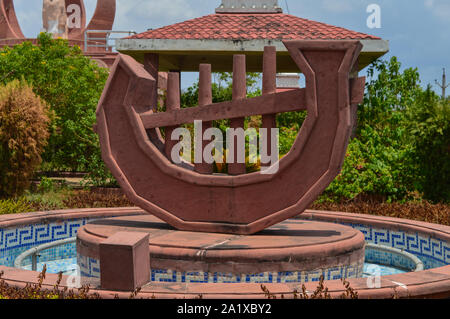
point(233, 204)
point(104, 15)
point(77, 33)
point(103, 19)
point(9, 25)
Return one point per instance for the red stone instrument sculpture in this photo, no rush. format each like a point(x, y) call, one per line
point(238, 203)
point(102, 19)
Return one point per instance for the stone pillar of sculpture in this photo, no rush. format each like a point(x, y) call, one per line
point(54, 17)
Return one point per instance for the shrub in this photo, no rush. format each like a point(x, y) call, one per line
point(414, 210)
point(86, 199)
point(14, 206)
point(37, 290)
point(375, 164)
point(23, 136)
point(380, 159)
point(429, 126)
point(71, 84)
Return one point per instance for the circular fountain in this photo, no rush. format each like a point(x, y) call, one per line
point(428, 243)
point(222, 236)
point(294, 250)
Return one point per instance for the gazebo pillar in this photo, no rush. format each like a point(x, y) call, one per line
point(151, 65)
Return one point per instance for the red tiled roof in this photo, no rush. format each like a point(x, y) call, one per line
point(251, 26)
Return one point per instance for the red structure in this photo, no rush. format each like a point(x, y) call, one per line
point(103, 19)
point(238, 203)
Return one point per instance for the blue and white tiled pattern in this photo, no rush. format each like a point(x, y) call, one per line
point(433, 253)
point(389, 259)
point(373, 270)
point(13, 242)
point(91, 268)
point(354, 271)
point(68, 266)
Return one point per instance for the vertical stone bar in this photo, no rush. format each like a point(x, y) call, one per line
point(204, 98)
point(151, 65)
point(173, 103)
point(239, 93)
point(269, 87)
point(354, 107)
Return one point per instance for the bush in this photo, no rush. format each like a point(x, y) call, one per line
point(429, 126)
point(37, 290)
point(380, 159)
point(23, 136)
point(375, 164)
point(415, 210)
point(71, 84)
point(12, 206)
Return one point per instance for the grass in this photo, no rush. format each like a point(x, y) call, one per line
point(59, 197)
point(55, 197)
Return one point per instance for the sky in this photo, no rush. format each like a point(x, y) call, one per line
point(418, 30)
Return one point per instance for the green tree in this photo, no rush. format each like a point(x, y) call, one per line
point(71, 84)
point(379, 160)
point(429, 128)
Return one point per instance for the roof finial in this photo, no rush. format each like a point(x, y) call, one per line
point(249, 6)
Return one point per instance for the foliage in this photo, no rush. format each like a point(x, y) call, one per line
point(414, 210)
point(86, 199)
point(23, 136)
point(290, 124)
point(37, 290)
point(98, 175)
point(14, 206)
point(46, 185)
point(401, 128)
point(429, 126)
point(321, 292)
point(71, 84)
point(374, 164)
point(222, 89)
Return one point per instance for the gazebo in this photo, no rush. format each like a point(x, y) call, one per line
point(237, 27)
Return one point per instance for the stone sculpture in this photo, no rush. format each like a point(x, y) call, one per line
point(189, 198)
point(75, 18)
point(54, 17)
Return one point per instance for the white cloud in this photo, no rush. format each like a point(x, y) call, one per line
point(440, 8)
point(339, 6)
point(153, 13)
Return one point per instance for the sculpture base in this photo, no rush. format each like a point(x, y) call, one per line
point(292, 251)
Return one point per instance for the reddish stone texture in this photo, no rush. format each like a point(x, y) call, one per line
point(237, 203)
point(124, 259)
point(433, 283)
point(252, 26)
point(289, 246)
point(103, 19)
point(9, 25)
point(204, 98)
